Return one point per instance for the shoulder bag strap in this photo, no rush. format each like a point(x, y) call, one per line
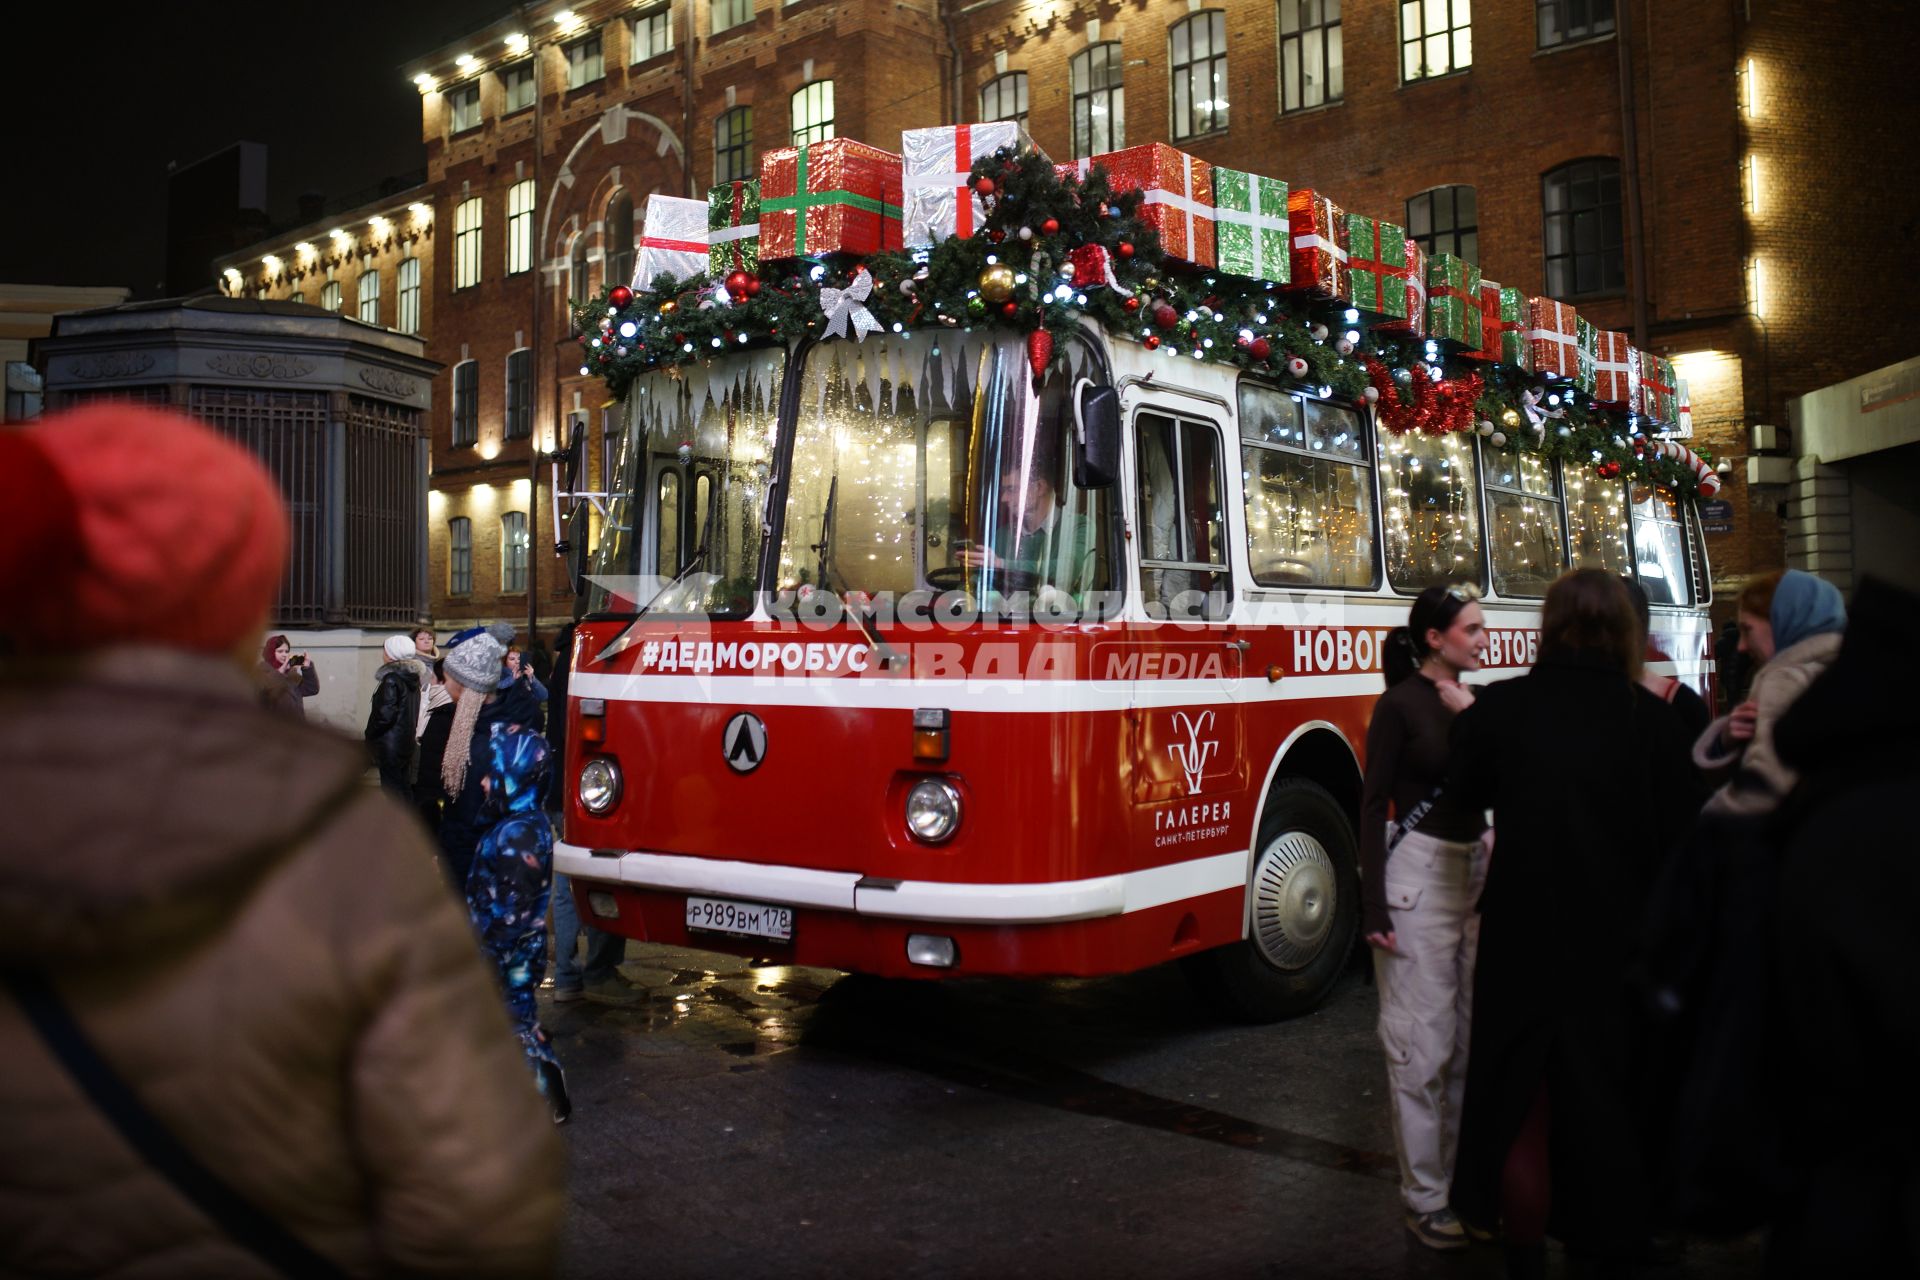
point(1412, 820)
point(259, 1234)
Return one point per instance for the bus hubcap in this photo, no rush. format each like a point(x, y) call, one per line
point(1293, 891)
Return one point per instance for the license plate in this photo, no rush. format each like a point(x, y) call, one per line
point(741, 919)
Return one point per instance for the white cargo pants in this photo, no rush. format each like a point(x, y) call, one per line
point(1426, 1005)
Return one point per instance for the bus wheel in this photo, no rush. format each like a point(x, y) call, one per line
point(1304, 899)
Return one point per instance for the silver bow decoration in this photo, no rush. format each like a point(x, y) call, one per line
point(843, 305)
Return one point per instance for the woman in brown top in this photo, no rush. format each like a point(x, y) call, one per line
point(1422, 871)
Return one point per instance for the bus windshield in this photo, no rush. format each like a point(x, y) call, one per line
point(941, 463)
point(682, 535)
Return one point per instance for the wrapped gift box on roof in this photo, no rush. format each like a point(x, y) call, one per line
point(1586, 352)
point(1382, 259)
point(1553, 340)
point(1682, 409)
point(1176, 195)
point(1659, 390)
point(733, 228)
point(837, 196)
point(673, 240)
point(935, 164)
point(1250, 225)
point(1321, 265)
point(1503, 326)
point(1453, 301)
point(1616, 371)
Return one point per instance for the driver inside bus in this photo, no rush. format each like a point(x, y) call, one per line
point(1039, 536)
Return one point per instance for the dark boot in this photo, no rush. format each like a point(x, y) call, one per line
point(553, 1087)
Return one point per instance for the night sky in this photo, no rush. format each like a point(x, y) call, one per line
point(90, 137)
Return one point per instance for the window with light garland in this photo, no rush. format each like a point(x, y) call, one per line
point(1431, 504)
point(1309, 491)
point(1523, 524)
point(1596, 521)
point(1660, 546)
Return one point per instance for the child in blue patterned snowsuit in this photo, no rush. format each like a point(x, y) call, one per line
point(508, 885)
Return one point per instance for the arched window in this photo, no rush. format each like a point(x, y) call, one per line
point(1585, 243)
point(813, 113)
point(1099, 101)
point(1197, 58)
point(618, 228)
point(1446, 220)
point(733, 158)
point(579, 283)
point(1005, 98)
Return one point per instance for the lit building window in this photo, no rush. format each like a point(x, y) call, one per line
point(1313, 68)
point(1099, 101)
point(813, 113)
point(518, 83)
point(1309, 491)
point(466, 404)
point(1005, 98)
point(520, 226)
point(733, 158)
point(466, 244)
point(330, 295)
point(1431, 502)
point(728, 14)
point(1561, 21)
point(619, 239)
point(1436, 38)
point(463, 104)
point(513, 552)
point(519, 394)
point(369, 293)
point(1197, 48)
point(409, 299)
point(652, 33)
point(1446, 220)
point(1585, 243)
point(459, 556)
point(586, 62)
point(1523, 524)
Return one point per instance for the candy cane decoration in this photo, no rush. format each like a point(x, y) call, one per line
point(1709, 481)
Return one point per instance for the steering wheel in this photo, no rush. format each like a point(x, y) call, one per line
point(954, 577)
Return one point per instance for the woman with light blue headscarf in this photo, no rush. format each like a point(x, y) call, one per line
point(1791, 622)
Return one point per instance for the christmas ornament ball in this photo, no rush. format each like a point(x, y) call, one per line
point(1371, 395)
point(620, 296)
point(1131, 304)
point(753, 286)
point(1485, 428)
point(1009, 309)
point(1124, 249)
point(1153, 342)
point(984, 186)
point(1164, 315)
point(1050, 227)
point(1259, 348)
point(737, 283)
point(1297, 367)
point(1498, 439)
point(996, 282)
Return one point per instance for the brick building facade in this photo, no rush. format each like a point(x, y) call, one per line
point(1725, 210)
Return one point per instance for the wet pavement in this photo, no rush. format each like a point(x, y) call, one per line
point(760, 1120)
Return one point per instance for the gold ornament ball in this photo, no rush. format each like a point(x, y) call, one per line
point(996, 282)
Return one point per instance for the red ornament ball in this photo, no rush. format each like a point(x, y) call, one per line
point(1259, 348)
point(1050, 227)
point(1165, 316)
point(1131, 304)
point(753, 286)
point(620, 296)
point(1009, 308)
point(996, 236)
point(983, 185)
point(1124, 248)
point(1153, 342)
point(737, 283)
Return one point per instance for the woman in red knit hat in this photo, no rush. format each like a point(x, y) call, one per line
point(293, 1059)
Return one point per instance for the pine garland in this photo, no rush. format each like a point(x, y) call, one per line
point(1053, 242)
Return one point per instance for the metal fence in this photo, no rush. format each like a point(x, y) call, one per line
point(386, 492)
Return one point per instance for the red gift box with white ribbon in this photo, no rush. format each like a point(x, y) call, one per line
point(1177, 199)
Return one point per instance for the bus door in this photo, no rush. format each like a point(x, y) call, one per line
point(1189, 739)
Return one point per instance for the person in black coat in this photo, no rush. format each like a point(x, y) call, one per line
point(1589, 781)
point(394, 717)
point(428, 794)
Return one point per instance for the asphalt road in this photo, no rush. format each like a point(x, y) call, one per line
point(751, 1121)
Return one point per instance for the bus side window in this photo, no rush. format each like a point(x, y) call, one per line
point(667, 522)
point(1183, 559)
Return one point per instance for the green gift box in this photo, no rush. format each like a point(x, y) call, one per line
point(1586, 350)
point(1251, 229)
point(1453, 301)
point(1503, 326)
point(733, 229)
point(1377, 253)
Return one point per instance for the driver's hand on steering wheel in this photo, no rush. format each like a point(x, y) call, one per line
point(977, 557)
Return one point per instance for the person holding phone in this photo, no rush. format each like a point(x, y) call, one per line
point(286, 678)
point(1421, 876)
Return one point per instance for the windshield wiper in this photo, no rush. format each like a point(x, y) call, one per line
point(828, 573)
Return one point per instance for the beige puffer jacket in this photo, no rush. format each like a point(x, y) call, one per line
point(1760, 780)
point(261, 946)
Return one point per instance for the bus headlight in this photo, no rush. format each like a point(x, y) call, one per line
point(599, 785)
point(933, 810)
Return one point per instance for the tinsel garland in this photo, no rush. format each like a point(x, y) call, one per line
point(1056, 249)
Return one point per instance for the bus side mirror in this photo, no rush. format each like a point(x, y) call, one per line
point(1096, 448)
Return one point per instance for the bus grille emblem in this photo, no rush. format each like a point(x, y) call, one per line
point(744, 742)
point(1193, 754)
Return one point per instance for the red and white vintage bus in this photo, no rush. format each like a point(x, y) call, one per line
point(900, 658)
